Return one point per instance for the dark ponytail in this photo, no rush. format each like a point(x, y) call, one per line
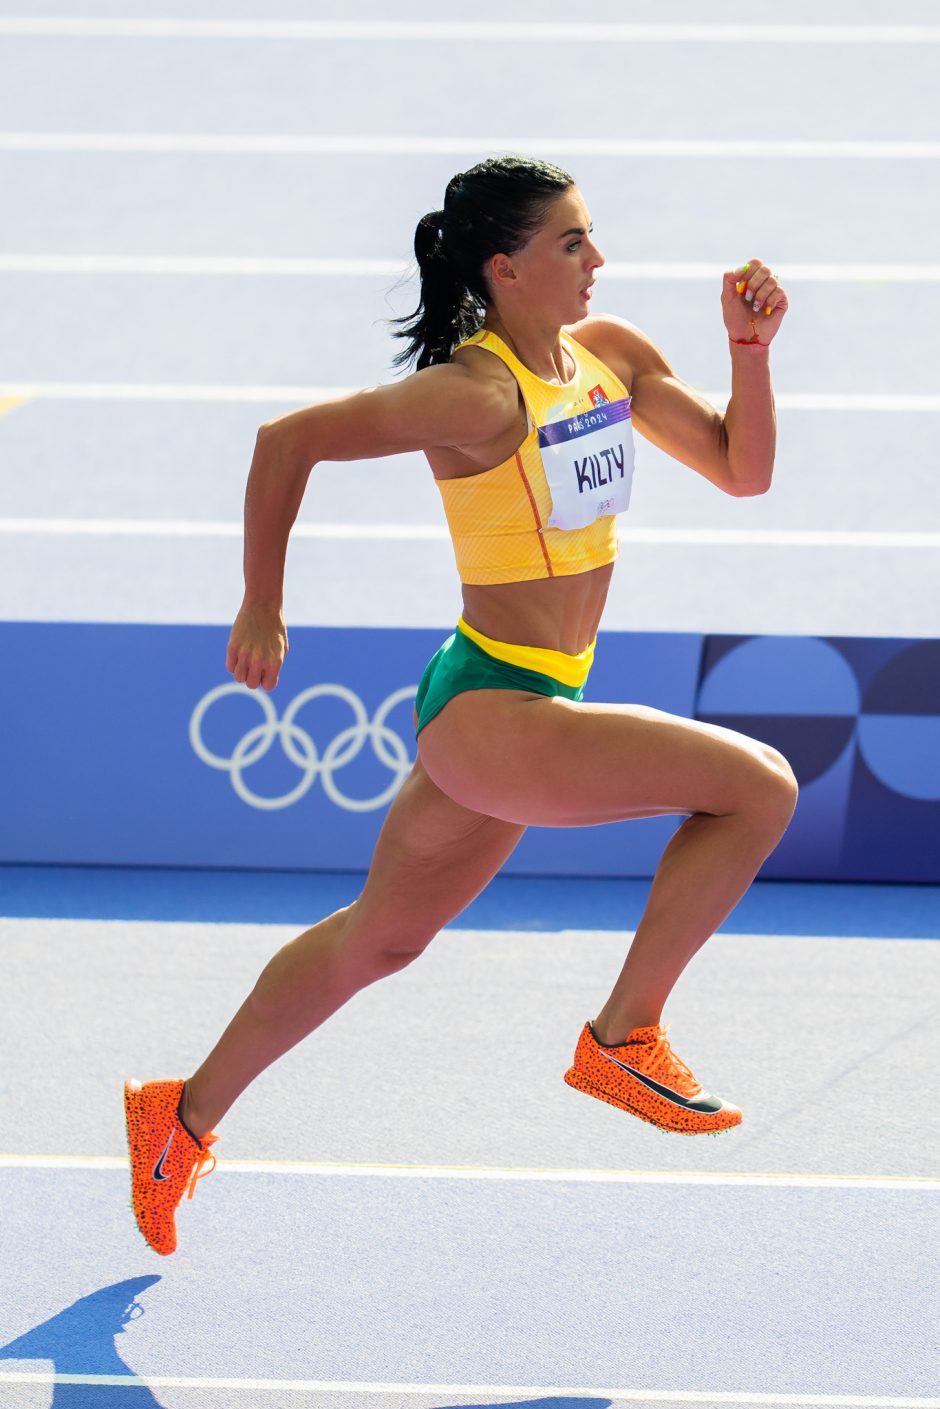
point(493, 208)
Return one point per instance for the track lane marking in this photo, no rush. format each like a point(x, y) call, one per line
point(367, 145)
point(173, 391)
point(438, 533)
point(444, 31)
point(501, 1174)
point(229, 265)
point(643, 1396)
point(303, 395)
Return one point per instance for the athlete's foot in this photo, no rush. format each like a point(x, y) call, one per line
point(645, 1077)
point(166, 1159)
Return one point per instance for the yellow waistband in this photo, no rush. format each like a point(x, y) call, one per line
point(570, 670)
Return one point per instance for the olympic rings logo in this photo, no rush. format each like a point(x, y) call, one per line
point(300, 748)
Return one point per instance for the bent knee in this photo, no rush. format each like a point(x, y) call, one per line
point(391, 959)
point(779, 789)
point(379, 952)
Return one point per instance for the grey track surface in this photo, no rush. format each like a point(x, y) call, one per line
point(291, 87)
point(459, 1059)
point(329, 332)
point(829, 1044)
point(837, 469)
point(282, 206)
point(723, 11)
point(361, 1260)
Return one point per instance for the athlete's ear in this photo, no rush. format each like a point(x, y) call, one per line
point(502, 270)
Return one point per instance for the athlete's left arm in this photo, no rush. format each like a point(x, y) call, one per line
point(734, 450)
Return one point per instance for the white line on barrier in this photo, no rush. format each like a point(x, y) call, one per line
point(641, 1396)
point(390, 268)
point(438, 533)
point(313, 145)
point(302, 395)
point(444, 31)
point(502, 1173)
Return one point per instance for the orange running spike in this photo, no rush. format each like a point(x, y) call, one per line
point(644, 1076)
point(166, 1160)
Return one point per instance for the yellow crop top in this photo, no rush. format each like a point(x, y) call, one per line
point(550, 509)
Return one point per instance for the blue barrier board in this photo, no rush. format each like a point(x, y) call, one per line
point(859, 720)
point(129, 745)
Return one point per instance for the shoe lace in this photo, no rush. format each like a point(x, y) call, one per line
point(663, 1061)
point(205, 1155)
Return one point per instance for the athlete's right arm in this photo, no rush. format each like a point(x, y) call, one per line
point(439, 406)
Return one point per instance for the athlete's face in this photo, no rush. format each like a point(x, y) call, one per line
point(552, 274)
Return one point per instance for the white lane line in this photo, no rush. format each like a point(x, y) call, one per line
point(187, 264)
point(779, 538)
point(841, 401)
point(168, 391)
point(303, 395)
point(469, 31)
point(195, 528)
point(503, 1174)
point(391, 268)
point(640, 1396)
point(311, 145)
point(438, 533)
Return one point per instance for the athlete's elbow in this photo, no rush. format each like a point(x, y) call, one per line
point(265, 441)
point(748, 488)
point(748, 477)
point(285, 445)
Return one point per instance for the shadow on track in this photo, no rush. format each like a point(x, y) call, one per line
point(564, 1401)
point(80, 1341)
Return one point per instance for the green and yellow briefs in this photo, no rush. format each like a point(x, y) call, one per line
point(468, 660)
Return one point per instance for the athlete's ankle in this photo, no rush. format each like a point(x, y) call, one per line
point(608, 1035)
point(190, 1117)
point(614, 1031)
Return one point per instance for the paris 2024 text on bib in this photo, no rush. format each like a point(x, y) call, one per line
point(588, 462)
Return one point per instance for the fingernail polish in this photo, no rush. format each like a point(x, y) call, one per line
point(749, 295)
point(740, 287)
point(768, 309)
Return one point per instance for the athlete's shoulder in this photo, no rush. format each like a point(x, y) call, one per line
point(486, 381)
point(472, 399)
point(623, 346)
point(483, 363)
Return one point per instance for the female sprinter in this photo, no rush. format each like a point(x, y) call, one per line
point(523, 403)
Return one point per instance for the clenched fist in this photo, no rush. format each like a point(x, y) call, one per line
point(257, 646)
point(753, 303)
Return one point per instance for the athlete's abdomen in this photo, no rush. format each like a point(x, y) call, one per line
point(558, 613)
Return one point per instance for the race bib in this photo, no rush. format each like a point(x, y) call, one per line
point(588, 462)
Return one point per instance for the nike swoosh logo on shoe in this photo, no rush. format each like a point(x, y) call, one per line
point(707, 1105)
point(158, 1173)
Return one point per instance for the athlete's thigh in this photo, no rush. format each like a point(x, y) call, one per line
point(433, 856)
point(552, 762)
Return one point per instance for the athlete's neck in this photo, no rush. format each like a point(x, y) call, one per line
point(538, 348)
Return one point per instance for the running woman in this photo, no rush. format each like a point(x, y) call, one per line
point(524, 403)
